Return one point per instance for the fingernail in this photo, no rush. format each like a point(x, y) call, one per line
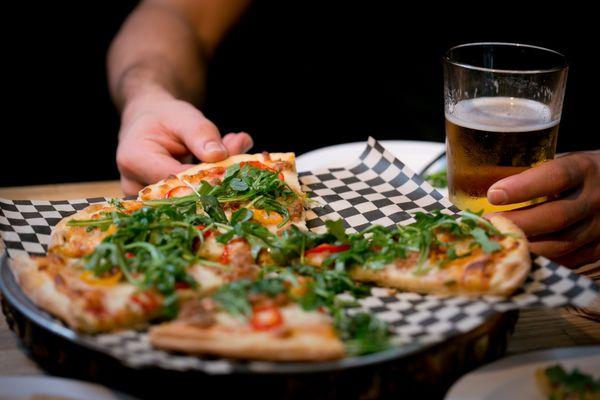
point(497, 196)
point(248, 142)
point(214, 146)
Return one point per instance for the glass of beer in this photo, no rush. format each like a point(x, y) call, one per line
point(503, 103)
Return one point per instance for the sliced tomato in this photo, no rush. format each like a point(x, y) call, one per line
point(179, 191)
point(259, 165)
point(265, 318)
point(149, 301)
point(325, 247)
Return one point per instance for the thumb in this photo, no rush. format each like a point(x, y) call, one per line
point(202, 138)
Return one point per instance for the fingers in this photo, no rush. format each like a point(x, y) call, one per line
point(585, 255)
point(202, 138)
point(145, 163)
point(550, 178)
point(129, 186)
point(238, 143)
point(568, 240)
point(551, 216)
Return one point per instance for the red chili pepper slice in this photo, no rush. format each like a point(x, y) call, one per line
point(179, 191)
point(327, 247)
point(182, 285)
point(129, 254)
point(266, 317)
point(205, 234)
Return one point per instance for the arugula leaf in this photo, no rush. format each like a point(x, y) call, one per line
point(488, 245)
point(438, 179)
point(572, 383)
point(211, 206)
point(362, 333)
point(233, 297)
point(238, 185)
point(338, 230)
point(240, 216)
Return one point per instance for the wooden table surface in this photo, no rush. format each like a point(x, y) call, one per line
point(536, 329)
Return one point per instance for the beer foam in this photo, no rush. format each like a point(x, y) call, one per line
point(502, 114)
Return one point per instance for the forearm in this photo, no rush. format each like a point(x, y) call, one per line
point(157, 50)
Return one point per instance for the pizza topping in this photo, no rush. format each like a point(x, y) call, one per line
point(436, 237)
point(259, 165)
point(558, 383)
point(147, 300)
point(108, 280)
point(249, 182)
point(267, 218)
point(179, 191)
point(266, 317)
point(94, 302)
point(198, 313)
point(328, 248)
point(313, 290)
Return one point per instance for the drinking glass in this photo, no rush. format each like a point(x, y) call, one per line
point(503, 103)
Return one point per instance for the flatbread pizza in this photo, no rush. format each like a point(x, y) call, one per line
point(218, 259)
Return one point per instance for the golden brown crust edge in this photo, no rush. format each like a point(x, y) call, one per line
point(510, 271)
point(180, 336)
point(41, 288)
point(42, 291)
point(513, 269)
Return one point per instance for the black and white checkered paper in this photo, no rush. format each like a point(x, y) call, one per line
point(377, 189)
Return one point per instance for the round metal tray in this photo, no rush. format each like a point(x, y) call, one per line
point(405, 371)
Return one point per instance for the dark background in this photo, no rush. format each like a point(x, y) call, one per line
point(296, 75)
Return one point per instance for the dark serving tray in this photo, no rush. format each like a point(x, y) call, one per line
point(402, 372)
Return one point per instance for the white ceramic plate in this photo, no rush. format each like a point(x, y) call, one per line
point(25, 387)
point(415, 154)
point(514, 377)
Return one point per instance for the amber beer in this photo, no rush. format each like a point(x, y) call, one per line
point(490, 138)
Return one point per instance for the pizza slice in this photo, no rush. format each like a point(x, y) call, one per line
point(116, 265)
point(291, 316)
point(265, 183)
point(438, 254)
point(274, 332)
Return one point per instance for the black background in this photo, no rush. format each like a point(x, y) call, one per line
point(296, 75)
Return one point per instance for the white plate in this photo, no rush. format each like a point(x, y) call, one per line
point(415, 154)
point(24, 387)
point(514, 377)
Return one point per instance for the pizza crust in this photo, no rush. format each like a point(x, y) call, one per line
point(305, 336)
point(58, 290)
point(466, 276)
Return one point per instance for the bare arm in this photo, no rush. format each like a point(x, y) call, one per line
point(164, 44)
point(156, 68)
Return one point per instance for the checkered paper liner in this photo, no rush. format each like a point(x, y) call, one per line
point(376, 189)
